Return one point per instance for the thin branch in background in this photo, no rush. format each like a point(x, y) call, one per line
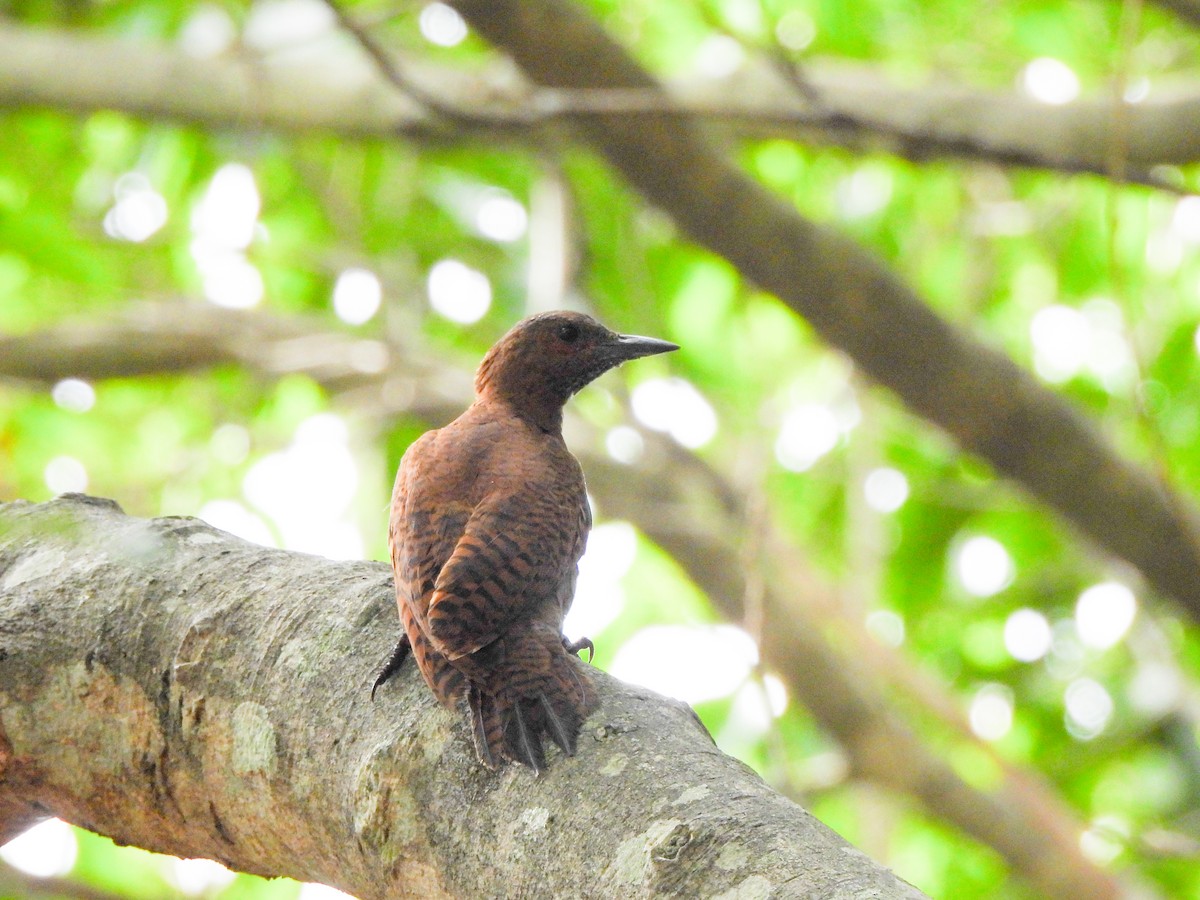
point(775, 53)
point(793, 73)
point(913, 143)
point(546, 105)
point(918, 144)
point(789, 68)
point(755, 521)
point(317, 96)
point(1128, 29)
point(392, 71)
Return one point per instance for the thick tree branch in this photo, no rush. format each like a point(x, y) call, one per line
point(340, 94)
point(179, 689)
point(988, 404)
point(686, 508)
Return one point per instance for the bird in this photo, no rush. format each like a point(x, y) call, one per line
point(488, 520)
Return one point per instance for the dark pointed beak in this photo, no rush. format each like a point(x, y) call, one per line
point(632, 346)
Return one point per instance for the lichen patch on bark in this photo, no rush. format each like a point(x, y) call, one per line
point(386, 814)
point(632, 860)
point(733, 856)
point(534, 818)
point(691, 795)
point(36, 565)
point(615, 765)
point(253, 740)
point(756, 887)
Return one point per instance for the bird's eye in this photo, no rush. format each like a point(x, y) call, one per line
point(568, 332)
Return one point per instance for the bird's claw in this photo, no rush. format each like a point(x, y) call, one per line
point(574, 647)
point(392, 666)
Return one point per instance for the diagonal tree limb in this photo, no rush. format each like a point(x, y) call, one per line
point(681, 504)
point(988, 404)
point(208, 697)
point(1020, 818)
point(1187, 10)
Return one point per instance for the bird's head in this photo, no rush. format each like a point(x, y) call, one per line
point(546, 358)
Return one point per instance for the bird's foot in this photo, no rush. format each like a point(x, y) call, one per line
point(392, 666)
point(574, 647)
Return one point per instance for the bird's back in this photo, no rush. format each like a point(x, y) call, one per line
point(489, 519)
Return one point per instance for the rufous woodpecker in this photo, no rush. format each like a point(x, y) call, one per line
point(489, 519)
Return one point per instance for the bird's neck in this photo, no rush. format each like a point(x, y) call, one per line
point(540, 409)
point(505, 381)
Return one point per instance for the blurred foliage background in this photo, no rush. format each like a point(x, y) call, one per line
point(208, 314)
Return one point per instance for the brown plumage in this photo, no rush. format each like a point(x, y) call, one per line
point(489, 519)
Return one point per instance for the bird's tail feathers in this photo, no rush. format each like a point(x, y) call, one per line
point(534, 691)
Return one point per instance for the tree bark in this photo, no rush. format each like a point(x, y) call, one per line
point(176, 688)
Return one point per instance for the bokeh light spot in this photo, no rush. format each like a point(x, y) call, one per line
point(1104, 613)
point(692, 663)
point(74, 394)
point(808, 432)
point(1027, 635)
point(313, 520)
point(232, 516)
point(458, 292)
point(47, 850)
point(991, 712)
point(1104, 840)
point(885, 489)
point(983, 566)
point(500, 217)
point(1185, 221)
point(1156, 688)
point(200, 876)
point(675, 406)
point(230, 444)
point(886, 626)
point(1088, 708)
point(1060, 342)
point(599, 597)
point(719, 56)
point(795, 29)
point(312, 891)
point(1050, 81)
point(227, 214)
point(138, 211)
point(281, 24)
point(864, 193)
point(357, 295)
point(65, 475)
point(208, 32)
point(624, 444)
point(442, 25)
point(224, 224)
